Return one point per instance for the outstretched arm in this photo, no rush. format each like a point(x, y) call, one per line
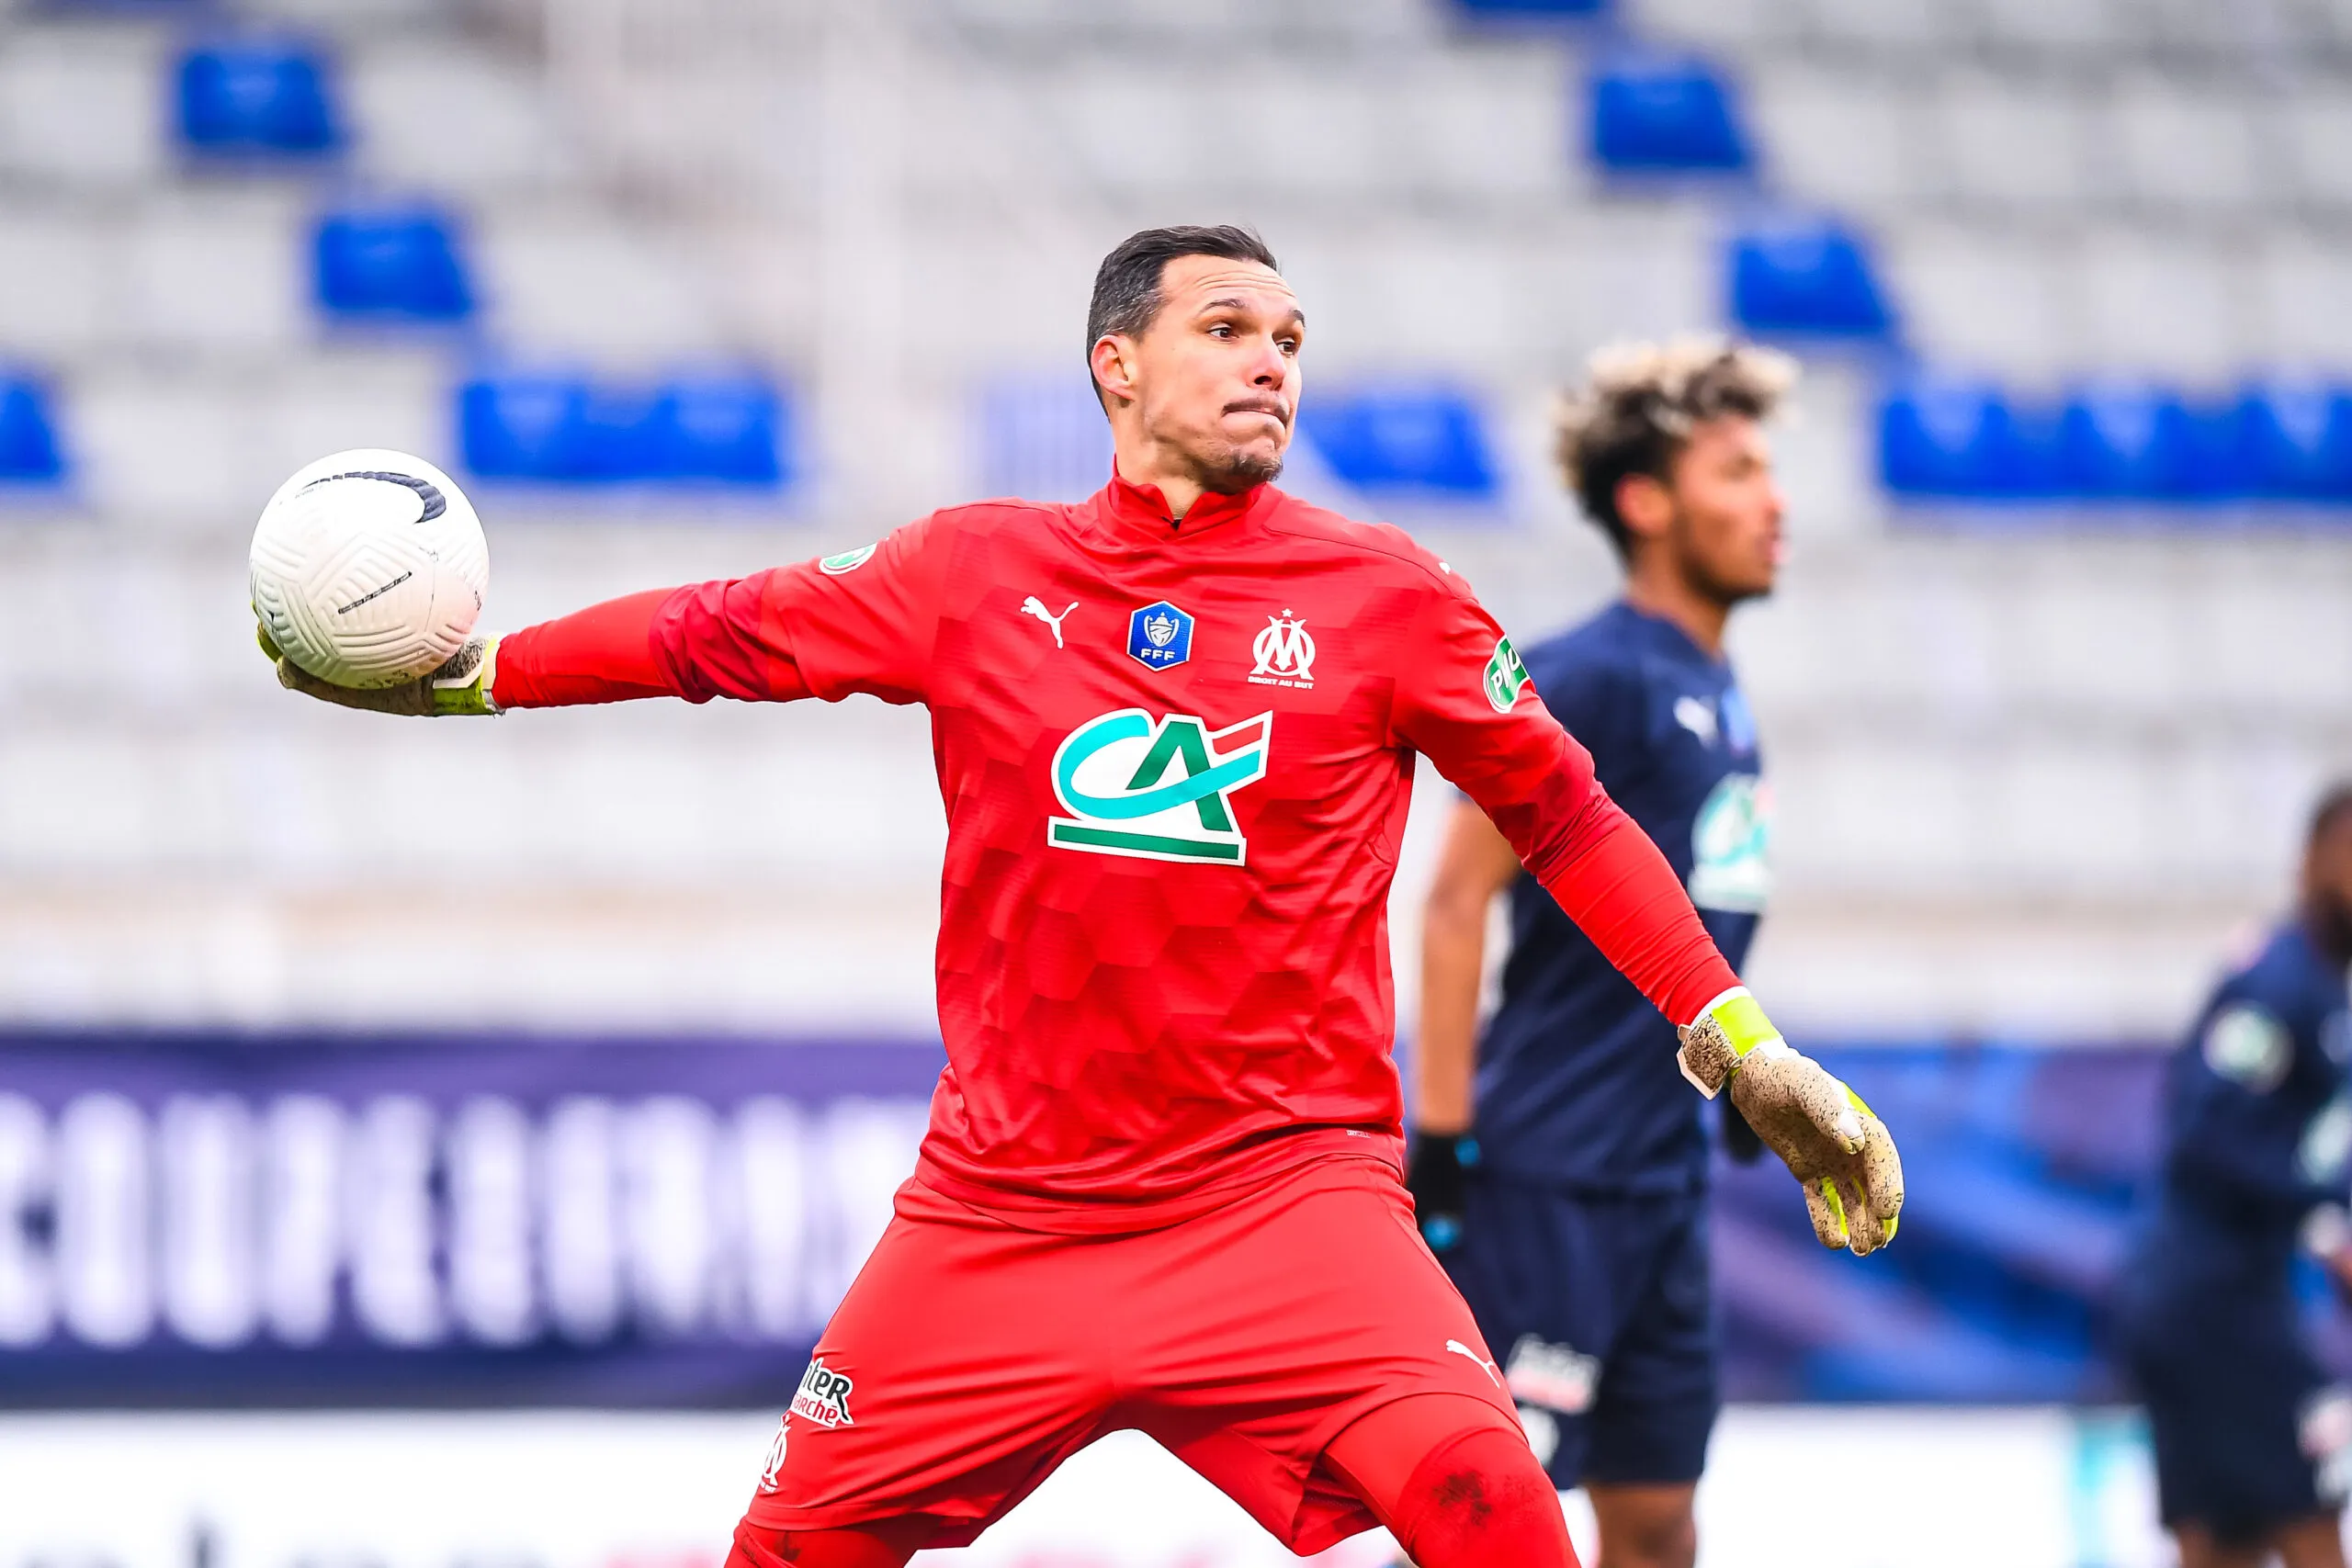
point(821, 628)
point(1465, 701)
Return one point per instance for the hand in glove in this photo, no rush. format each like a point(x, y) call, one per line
point(1436, 1174)
point(459, 687)
point(1831, 1142)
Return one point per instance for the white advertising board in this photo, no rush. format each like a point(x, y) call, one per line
point(1911, 1488)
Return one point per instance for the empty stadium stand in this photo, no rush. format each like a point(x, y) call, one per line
point(2032, 765)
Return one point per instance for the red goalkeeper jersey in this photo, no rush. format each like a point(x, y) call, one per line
point(1175, 759)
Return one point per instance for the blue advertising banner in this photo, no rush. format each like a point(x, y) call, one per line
point(216, 1220)
point(224, 1220)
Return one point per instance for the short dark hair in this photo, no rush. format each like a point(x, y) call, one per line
point(1126, 286)
point(2332, 808)
point(1636, 412)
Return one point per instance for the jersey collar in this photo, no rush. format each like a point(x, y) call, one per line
point(1140, 512)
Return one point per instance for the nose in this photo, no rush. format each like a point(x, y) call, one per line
point(1271, 368)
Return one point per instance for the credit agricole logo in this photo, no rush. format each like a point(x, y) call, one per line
point(1157, 789)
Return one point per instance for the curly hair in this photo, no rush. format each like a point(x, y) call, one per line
point(1640, 406)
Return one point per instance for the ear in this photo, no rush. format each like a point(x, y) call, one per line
point(1644, 505)
point(1113, 368)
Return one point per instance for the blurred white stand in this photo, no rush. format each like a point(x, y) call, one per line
point(1787, 1488)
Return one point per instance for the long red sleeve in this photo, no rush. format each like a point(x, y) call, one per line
point(854, 622)
point(1464, 701)
point(602, 654)
point(1617, 887)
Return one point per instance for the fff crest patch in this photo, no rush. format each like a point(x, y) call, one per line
point(1159, 637)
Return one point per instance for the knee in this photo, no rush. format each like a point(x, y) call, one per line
point(1481, 1499)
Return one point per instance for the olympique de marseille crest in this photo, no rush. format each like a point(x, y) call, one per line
point(1285, 653)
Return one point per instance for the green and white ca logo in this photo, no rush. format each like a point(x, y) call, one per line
point(1505, 676)
point(1157, 790)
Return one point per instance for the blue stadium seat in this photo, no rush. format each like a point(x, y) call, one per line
point(2120, 440)
point(1531, 7)
point(1043, 437)
point(1666, 115)
point(2296, 441)
point(571, 429)
point(1808, 277)
point(29, 453)
point(728, 430)
point(1426, 443)
point(395, 264)
point(524, 427)
point(1957, 438)
point(257, 96)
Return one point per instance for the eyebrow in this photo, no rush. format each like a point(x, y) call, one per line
point(1237, 304)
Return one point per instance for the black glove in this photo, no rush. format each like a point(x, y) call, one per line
point(1740, 1141)
point(1435, 1174)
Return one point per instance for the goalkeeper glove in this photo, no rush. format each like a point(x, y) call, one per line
point(1831, 1142)
point(461, 686)
point(1436, 1175)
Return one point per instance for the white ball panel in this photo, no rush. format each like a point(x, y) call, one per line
point(369, 568)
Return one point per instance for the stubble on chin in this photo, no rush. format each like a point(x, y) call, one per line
point(1235, 470)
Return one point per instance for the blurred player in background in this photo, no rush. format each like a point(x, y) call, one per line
point(2252, 1443)
point(1567, 1195)
point(1161, 1185)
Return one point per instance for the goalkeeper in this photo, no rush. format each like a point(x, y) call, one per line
point(1567, 1196)
point(1161, 1188)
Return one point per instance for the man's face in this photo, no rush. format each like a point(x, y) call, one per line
point(1215, 379)
point(1724, 530)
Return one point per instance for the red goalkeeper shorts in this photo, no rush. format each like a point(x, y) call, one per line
point(971, 1357)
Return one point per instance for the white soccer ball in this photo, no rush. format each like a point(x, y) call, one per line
point(369, 568)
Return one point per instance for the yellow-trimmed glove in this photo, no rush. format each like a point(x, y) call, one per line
point(460, 686)
point(1831, 1142)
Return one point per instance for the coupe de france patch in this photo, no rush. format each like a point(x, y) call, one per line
point(1160, 635)
point(1157, 789)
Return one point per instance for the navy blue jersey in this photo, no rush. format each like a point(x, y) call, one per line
point(1578, 1086)
point(2257, 1122)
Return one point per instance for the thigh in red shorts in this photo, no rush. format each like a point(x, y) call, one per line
point(971, 1357)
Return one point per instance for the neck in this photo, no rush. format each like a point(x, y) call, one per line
point(1177, 483)
point(1653, 589)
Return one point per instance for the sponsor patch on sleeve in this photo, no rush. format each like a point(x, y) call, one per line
point(847, 562)
point(1505, 677)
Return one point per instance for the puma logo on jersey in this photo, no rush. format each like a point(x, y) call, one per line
point(1033, 606)
point(1493, 1375)
point(1157, 789)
